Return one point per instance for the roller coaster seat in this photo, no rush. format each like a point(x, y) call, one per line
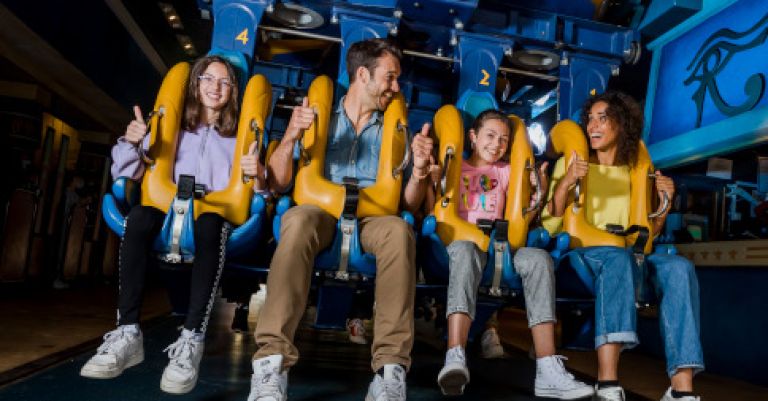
point(445, 226)
point(237, 203)
point(346, 202)
point(575, 280)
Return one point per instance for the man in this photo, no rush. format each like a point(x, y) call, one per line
point(354, 144)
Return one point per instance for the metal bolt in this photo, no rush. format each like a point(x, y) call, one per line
point(508, 52)
point(451, 11)
point(393, 30)
point(615, 70)
point(398, 13)
point(439, 52)
point(416, 4)
point(270, 9)
point(458, 24)
point(454, 40)
point(334, 19)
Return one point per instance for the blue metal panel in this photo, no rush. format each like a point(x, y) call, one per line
point(596, 37)
point(356, 26)
point(441, 12)
point(479, 60)
point(707, 91)
point(664, 15)
point(237, 30)
point(581, 77)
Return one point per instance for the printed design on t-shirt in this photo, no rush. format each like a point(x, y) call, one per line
point(477, 192)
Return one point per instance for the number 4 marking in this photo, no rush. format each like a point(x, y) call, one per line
point(243, 36)
point(484, 81)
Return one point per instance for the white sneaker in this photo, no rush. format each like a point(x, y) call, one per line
point(267, 382)
point(454, 375)
point(490, 345)
point(122, 348)
point(615, 393)
point(356, 330)
point(668, 397)
point(552, 380)
point(180, 376)
point(389, 387)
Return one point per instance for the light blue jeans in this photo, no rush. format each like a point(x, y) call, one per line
point(615, 314)
point(675, 282)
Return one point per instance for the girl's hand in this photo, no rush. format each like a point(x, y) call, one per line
point(137, 129)
point(577, 169)
point(251, 165)
point(664, 184)
point(302, 117)
point(543, 181)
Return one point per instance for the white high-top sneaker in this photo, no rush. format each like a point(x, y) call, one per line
point(390, 386)
point(552, 380)
point(668, 397)
point(267, 382)
point(614, 393)
point(122, 348)
point(454, 375)
point(180, 376)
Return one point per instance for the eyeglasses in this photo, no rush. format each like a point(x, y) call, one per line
point(211, 80)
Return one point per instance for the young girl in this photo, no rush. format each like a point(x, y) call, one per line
point(483, 189)
point(206, 150)
point(614, 123)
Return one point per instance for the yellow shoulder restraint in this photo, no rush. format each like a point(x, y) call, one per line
point(311, 186)
point(451, 227)
point(566, 137)
point(158, 187)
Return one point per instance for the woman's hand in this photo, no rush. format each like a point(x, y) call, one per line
point(577, 169)
point(252, 166)
point(543, 181)
point(664, 184)
point(137, 129)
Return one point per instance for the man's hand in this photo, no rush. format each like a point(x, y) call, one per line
point(136, 129)
point(301, 118)
point(421, 146)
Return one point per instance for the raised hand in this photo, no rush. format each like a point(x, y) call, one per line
point(250, 162)
point(301, 118)
point(421, 146)
point(137, 128)
point(577, 169)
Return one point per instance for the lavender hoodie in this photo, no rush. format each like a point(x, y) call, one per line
point(202, 153)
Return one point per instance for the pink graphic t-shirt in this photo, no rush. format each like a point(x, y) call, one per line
point(483, 191)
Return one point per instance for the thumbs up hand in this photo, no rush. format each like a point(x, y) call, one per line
point(421, 147)
point(253, 167)
point(301, 118)
point(137, 128)
point(577, 169)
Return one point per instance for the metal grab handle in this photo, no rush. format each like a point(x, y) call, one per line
point(537, 184)
point(407, 156)
point(142, 154)
point(665, 203)
point(255, 129)
point(450, 153)
point(577, 193)
point(303, 154)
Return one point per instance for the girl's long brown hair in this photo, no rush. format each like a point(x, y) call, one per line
point(626, 115)
point(227, 122)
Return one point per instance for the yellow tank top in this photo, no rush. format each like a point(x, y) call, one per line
point(608, 199)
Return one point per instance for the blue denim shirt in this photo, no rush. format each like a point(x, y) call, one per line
point(351, 155)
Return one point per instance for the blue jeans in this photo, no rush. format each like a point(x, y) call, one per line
point(615, 314)
point(674, 279)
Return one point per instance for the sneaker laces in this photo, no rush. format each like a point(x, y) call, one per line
point(455, 354)
point(559, 368)
point(266, 384)
point(114, 342)
point(180, 352)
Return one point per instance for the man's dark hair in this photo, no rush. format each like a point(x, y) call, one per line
point(626, 115)
point(366, 53)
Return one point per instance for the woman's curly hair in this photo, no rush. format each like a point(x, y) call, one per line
point(626, 115)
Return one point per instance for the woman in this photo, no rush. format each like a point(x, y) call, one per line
point(205, 150)
point(613, 122)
